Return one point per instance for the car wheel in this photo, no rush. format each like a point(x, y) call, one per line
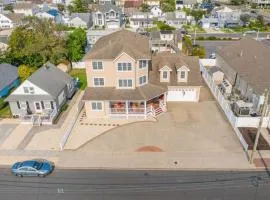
point(20, 175)
point(42, 175)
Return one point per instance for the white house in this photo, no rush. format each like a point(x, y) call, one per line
point(141, 20)
point(180, 4)
point(156, 11)
point(80, 20)
point(5, 23)
point(25, 8)
point(44, 15)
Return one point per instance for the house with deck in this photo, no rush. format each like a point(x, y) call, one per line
point(38, 100)
point(126, 80)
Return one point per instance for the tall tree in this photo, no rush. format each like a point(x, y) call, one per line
point(37, 43)
point(167, 5)
point(145, 7)
point(78, 6)
point(245, 18)
point(8, 7)
point(76, 44)
point(25, 71)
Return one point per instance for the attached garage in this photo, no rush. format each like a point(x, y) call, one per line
point(183, 94)
point(113, 24)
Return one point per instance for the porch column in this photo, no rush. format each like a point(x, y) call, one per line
point(145, 114)
point(127, 109)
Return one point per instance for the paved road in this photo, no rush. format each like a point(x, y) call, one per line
point(137, 185)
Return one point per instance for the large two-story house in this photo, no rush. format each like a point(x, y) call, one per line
point(107, 15)
point(126, 80)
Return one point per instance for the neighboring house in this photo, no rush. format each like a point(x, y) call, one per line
point(107, 15)
point(180, 4)
point(80, 20)
point(17, 19)
point(223, 16)
point(5, 22)
point(94, 35)
point(44, 15)
point(25, 8)
point(246, 66)
point(38, 100)
point(261, 2)
point(122, 82)
point(156, 11)
point(176, 19)
point(141, 20)
point(8, 78)
point(169, 41)
point(131, 7)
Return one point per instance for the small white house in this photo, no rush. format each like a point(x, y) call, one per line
point(156, 11)
point(5, 22)
point(44, 15)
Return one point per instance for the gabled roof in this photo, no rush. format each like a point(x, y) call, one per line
point(250, 59)
point(112, 45)
point(86, 17)
point(175, 61)
point(107, 7)
point(8, 73)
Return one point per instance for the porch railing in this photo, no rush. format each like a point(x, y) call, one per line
point(126, 111)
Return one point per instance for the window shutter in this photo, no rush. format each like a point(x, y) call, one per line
point(18, 105)
point(42, 105)
point(52, 106)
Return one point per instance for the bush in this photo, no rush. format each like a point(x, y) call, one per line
point(200, 38)
point(64, 107)
point(212, 38)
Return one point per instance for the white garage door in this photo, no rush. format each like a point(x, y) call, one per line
point(113, 25)
point(182, 95)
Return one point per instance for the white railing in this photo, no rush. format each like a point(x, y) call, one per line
point(126, 111)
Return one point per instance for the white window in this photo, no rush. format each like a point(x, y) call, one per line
point(98, 81)
point(142, 80)
point(182, 74)
point(23, 105)
point(32, 90)
point(96, 106)
point(97, 65)
point(143, 64)
point(125, 83)
point(124, 67)
point(47, 105)
point(165, 75)
point(26, 90)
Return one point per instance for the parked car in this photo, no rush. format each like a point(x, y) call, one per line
point(40, 168)
point(212, 55)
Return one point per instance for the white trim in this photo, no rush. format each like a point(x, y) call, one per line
point(165, 68)
point(97, 69)
point(127, 67)
point(133, 83)
point(40, 106)
point(98, 77)
point(102, 106)
point(183, 68)
point(121, 55)
point(21, 107)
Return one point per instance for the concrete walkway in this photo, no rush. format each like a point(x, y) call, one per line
point(16, 137)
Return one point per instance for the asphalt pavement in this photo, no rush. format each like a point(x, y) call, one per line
point(137, 185)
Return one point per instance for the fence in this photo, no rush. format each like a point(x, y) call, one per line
point(70, 127)
point(78, 65)
point(225, 105)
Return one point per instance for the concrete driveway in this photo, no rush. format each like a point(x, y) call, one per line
point(196, 135)
point(5, 130)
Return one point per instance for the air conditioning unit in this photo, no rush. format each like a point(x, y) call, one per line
point(225, 87)
point(242, 108)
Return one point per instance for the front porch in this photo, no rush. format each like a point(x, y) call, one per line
point(144, 108)
point(37, 119)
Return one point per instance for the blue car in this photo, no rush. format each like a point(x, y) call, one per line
point(32, 168)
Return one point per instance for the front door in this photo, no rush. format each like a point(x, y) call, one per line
point(38, 107)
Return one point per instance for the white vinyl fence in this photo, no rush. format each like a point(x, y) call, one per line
point(78, 65)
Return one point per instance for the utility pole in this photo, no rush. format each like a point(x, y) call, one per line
point(194, 39)
point(257, 37)
point(266, 95)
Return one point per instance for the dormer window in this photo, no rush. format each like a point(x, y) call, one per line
point(182, 74)
point(165, 74)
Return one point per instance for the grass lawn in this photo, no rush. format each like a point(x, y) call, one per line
point(80, 73)
point(4, 109)
point(191, 29)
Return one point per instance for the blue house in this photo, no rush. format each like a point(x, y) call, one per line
point(9, 78)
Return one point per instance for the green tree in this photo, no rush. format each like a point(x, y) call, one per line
point(76, 44)
point(78, 6)
point(163, 27)
point(198, 51)
point(197, 14)
point(25, 71)
point(187, 45)
point(36, 43)
point(245, 18)
point(8, 7)
point(167, 5)
point(145, 7)
point(61, 7)
point(238, 2)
